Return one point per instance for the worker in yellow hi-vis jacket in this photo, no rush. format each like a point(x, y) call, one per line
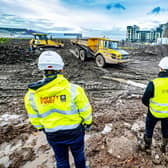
point(156, 99)
point(59, 108)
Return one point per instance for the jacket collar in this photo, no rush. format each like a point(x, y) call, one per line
point(163, 74)
point(43, 82)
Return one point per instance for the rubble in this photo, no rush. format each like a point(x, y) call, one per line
point(138, 126)
point(149, 50)
point(107, 128)
point(121, 147)
point(119, 116)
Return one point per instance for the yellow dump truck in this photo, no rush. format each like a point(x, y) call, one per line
point(102, 49)
point(41, 41)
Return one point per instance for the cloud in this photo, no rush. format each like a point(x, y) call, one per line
point(116, 6)
point(109, 6)
point(67, 16)
point(82, 4)
point(156, 10)
point(62, 29)
point(6, 14)
point(115, 33)
point(119, 6)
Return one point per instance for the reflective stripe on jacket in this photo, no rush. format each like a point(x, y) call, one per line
point(159, 103)
point(58, 105)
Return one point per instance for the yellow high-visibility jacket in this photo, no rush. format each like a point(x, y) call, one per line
point(159, 103)
point(58, 105)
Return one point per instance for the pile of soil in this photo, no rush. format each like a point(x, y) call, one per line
point(149, 50)
point(16, 52)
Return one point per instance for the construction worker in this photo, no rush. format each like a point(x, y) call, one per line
point(61, 109)
point(156, 99)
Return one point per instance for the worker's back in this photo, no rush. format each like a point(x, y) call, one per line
point(60, 109)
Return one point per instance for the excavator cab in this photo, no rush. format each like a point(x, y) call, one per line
point(40, 37)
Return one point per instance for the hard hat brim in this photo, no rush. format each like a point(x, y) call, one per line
point(50, 67)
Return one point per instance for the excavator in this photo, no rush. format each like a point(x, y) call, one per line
point(41, 41)
point(103, 50)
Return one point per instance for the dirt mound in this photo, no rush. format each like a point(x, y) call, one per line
point(12, 131)
point(156, 50)
point(15, 52)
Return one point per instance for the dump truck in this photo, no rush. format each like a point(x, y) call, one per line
point(41, 41)
point(103, 50)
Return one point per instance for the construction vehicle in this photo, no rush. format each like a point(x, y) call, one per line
point(103, 50)
point(41, 41)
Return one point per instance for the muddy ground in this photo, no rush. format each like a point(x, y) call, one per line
point(115, 94)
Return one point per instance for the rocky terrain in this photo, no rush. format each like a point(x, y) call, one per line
point(114, 92)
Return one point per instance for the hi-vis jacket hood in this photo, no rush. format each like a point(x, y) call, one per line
point(57, 105)
point(58, 81)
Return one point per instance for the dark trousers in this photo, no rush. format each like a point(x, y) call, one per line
point(150, 125)
point(61, 148)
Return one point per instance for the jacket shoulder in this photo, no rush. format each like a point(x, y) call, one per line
point(76, 86)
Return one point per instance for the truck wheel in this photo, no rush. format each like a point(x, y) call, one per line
point(100, 61)
point(77, 53)
point(38, 51)
point(82, 55)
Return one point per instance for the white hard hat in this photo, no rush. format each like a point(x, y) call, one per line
point(50, 60)
point(164, 63)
